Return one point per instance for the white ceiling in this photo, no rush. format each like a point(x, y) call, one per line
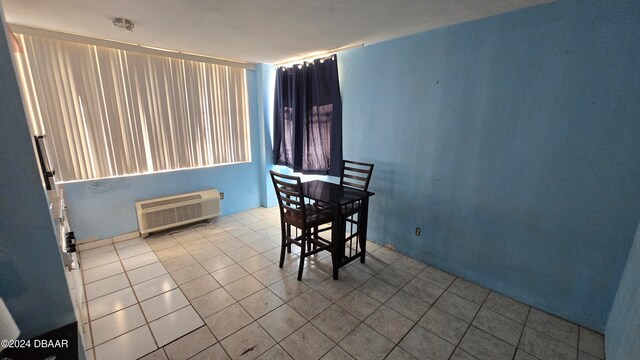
point(267, 31)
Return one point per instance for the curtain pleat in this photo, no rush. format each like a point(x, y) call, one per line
point(109, 112)
point(308, 118)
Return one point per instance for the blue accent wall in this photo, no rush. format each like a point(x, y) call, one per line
point(32, 281)
point(266, 85)
point(512, 141)
point(105, 208)
point(623, 328)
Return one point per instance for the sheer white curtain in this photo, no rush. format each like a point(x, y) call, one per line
point(109, 112)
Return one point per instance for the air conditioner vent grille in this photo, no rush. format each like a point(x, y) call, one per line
point(170, 201)
point(171, 216)
point(181, 209)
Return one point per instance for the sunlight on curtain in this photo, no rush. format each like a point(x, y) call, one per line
point(109, 112)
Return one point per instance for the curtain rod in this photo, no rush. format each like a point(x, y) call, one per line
point(317, 55)
point(307, 61)
point(121, 45)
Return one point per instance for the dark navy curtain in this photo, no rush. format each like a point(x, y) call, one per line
point(308, 118)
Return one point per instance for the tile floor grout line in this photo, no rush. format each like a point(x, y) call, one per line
point(323, 332)
point(124, 333)
point(230, 305)
point(258, 244)
point(471, 322)
point(144, 316)
point(109, 293)
point(137, 303)
point(361, 322)
point(395, 344)
point(94, 267)
point(559, 318)
point(488, 333)
point(235, 302)
point(429, 308)
point(179, 289)
point(86, 305)
point(578, 343)
point(91, 282)
point(548, 335)
point(257, 323)
point(282, 347)
point(522, 333)
point(308, 321)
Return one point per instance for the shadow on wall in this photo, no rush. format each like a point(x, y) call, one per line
point(623, 328)
point(12, 282)
point(385, 201)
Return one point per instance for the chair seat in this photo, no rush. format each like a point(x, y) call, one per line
point(315, 216)
point(345, 211)
point(350, 209)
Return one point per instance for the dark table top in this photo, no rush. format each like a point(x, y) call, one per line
point(333, 193)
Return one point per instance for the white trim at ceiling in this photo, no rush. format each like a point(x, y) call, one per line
point(26, 30)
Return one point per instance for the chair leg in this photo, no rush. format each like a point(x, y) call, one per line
point(315, 234)
point(304, 244)
point(291, 237)
point(282, 246)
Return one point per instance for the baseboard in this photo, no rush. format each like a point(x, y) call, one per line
point(92, 242)
point(127, 236)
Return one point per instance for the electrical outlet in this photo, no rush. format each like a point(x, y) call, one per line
point(221, 196)
point(418, 231)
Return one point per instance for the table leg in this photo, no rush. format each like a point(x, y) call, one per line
point(335, 238)
point(338, 238)
point(363, 217)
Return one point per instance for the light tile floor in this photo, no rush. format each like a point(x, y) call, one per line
point(216, 292)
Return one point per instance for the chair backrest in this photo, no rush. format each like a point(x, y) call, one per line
point(289, 193)
point(356, 174)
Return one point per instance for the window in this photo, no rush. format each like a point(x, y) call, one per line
point(109, 112)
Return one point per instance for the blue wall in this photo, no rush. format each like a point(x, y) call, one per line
point(266, 85)
point(623, 328)
point(32, 281)
point(512, 141)
point(105, 208)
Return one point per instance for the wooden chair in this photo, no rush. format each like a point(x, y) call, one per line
point(306, 218)
point(356, 174)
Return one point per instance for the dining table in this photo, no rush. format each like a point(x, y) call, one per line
point(350, 207)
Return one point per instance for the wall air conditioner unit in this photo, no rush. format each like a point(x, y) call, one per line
point(171, 211)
